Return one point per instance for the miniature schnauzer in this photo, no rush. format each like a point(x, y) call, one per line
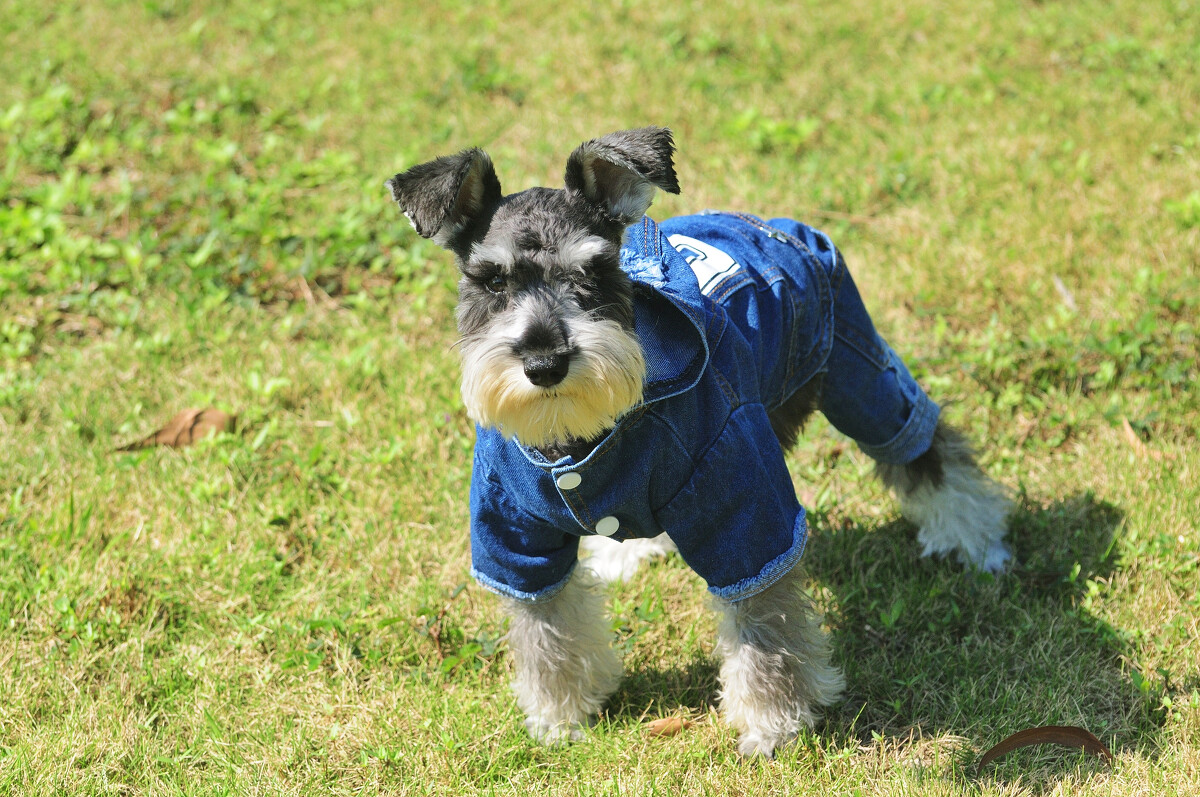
point(635, 386)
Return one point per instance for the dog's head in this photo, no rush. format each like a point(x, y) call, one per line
point(545, 312)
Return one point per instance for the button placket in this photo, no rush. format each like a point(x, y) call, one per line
point(575, 502)
point(567, 482)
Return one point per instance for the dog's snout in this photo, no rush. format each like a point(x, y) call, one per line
point(546, 370)
point(543, 345)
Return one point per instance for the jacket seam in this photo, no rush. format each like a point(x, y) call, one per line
point(698, 459)
point(654, 510)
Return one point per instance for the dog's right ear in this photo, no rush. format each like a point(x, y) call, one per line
point(444, 197)
point(620, 171)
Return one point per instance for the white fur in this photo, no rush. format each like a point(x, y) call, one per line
point(775, 666)
point(612, 560)
point(565, 667)
point(634, 202)
point(603, 383)
point(578, 250)
point(964, 515)
point(499, 253)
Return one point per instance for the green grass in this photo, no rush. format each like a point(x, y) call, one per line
point(192, 214)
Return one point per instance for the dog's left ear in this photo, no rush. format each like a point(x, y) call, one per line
point(620, 171)
point(444, 197)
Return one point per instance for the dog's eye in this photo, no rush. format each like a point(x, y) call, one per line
point(496, 283)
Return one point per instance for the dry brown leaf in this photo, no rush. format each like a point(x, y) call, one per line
point(1065, 735)
point(667, 726)
point(1131, 437)
point(186, 428)
point(1136, 443)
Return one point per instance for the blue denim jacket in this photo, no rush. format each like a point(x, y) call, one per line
point(734, 315)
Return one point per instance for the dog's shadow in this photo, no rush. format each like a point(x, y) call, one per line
point(932, 651)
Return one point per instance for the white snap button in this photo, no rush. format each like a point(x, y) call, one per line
point(607, 526)
point(569, 480)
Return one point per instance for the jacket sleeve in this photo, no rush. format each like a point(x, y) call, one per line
point(737, 521)
point(513, 553)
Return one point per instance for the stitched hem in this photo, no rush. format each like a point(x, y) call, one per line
point(776, 569)
point(505, 591)
point(913, 439)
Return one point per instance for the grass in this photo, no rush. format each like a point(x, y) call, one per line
point(192, 214)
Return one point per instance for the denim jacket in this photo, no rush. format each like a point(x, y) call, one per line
point(734, 315)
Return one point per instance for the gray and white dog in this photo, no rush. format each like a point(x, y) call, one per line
point(622, 377)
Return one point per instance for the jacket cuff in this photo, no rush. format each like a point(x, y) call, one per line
point(913, 439)
point(776, 569)
point(505, 591)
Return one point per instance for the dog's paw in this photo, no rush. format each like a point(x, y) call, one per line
point(756, 745)
point(555, 734)
point(997, 558)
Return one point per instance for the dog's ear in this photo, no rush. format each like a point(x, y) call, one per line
point(620, 171)
point(443, 197)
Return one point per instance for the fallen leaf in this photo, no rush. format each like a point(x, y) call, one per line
point(667, 726)
point(1136, 443)
point(186, 428)
point(1065, 735)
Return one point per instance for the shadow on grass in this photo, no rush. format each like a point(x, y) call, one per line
point(691, 686)
point(929, 650)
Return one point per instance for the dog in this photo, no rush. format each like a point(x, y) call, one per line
point(635, 385)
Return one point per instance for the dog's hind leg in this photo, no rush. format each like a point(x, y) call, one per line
point(957, 507)
point(870, 395)
point(565, 668)
point(616, 561)
point(775, 665)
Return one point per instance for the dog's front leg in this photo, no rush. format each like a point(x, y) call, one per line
point(775, 668)
point(565, 666)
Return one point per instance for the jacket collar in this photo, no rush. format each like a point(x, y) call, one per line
point(669, 315)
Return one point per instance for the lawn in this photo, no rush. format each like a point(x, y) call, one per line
point(192, 214)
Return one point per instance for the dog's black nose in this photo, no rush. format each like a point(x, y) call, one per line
point(546, 370)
